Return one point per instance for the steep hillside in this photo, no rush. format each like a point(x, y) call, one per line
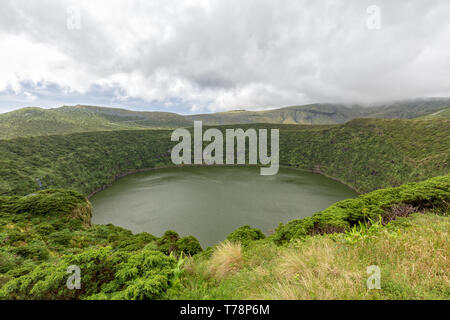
point(372, 153)
point(327, 113)
point(364, 153)
point(309, 114)
point(71, 119)
point(408, 109)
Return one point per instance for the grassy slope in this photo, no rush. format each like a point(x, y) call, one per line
point(70, 119)
point(409, 109)
point(366, 154)
point(309, 114)
point(444, 113)
point(412, 254)
point(36, 121)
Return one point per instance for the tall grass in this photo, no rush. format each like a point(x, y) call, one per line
point(226, 260)
point(412, 254)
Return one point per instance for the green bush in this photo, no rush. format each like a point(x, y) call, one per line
point(188, 245)
point(54, 201)
point(245, 234)
point(146, 275)
point(433, 194)
point(168, 242)
point(104, 274)
point(36, 250)
point(45, 229)
point(14, 235)
point(62, 237)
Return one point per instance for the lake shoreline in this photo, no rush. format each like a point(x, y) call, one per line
point(124, 174)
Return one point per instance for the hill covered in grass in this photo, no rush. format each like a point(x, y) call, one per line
point(444, 113)
point(366, 154)
point(80, 118)
point(327, 113)
point(37, 121)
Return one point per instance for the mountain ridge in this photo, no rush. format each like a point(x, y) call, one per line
point(31, 121)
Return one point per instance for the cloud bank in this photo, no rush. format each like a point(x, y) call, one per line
point(201, 56)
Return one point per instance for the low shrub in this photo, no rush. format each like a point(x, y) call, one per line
point(245, 234)
point(168, 242)
point(105, 274)
point(433, 194)
point(188, 245)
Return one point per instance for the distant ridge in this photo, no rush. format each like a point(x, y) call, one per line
point(32, 121)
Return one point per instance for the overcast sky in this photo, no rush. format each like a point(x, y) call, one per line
point(192, 56)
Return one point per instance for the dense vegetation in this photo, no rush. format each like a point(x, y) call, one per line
point(327, 113)
point(371, 153)
point(36, 121)
point(412, 254)
point(70, 119)
point(444, 113)
point(366, 154)
point(384, 203)
point(42, 234)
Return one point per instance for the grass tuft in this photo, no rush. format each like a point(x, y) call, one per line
point(226, 260)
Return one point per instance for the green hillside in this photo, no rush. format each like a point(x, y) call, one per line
point(327, 113)
point(444, 113)
point(145, 119)
point(366, 154)
point(408, 109)
point(71, 119)
point(37, 121)
point(309, 114)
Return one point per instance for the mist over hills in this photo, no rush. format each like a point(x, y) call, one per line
point(31, 121)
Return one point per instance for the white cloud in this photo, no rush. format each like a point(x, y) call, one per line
point(227, 54)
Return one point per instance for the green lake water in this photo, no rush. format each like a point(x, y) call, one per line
point(210, 202)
